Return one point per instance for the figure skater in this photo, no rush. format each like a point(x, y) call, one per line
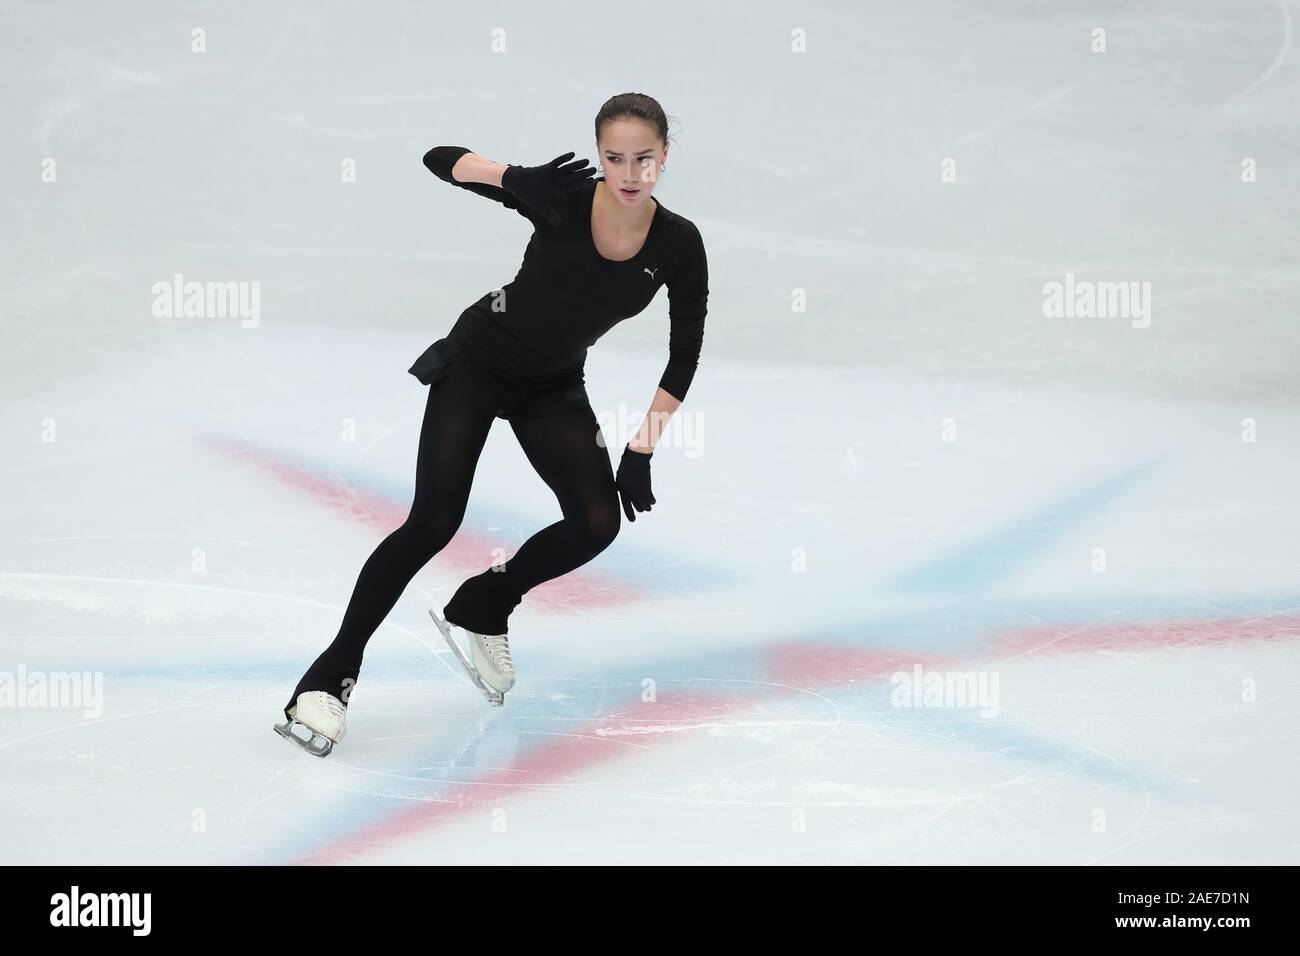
point(601, 248)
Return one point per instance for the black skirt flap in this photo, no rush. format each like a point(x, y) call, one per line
point(434, 364)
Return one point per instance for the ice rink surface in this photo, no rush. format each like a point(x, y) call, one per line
point(1093, 517)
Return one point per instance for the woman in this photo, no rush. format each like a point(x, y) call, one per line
point(600, 250)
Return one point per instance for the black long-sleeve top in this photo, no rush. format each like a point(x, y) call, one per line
point(566, 295)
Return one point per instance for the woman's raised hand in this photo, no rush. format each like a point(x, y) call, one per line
point(541, 186)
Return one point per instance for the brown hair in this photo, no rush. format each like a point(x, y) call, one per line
point(634, 106)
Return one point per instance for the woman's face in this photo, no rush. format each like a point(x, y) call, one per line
point(631, 155)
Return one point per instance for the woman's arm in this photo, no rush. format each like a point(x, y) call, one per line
point(688, 298)
point(688, 304)
point(662, 407)
point(461, 167)
point(473, 168)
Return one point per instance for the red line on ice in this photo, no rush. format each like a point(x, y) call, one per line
point(805, 666)
point(465, 551)
point(1140, 635)
point(603, 739)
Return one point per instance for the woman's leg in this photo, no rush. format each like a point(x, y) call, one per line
point(561, 437)
point(459, 411)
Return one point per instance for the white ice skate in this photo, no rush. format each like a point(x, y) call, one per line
point(321, 715)
point(488, 665)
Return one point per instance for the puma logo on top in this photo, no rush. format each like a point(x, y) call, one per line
point(652, 274)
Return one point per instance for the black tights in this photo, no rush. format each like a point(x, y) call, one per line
point(559, 434)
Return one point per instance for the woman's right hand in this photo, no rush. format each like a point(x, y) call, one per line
point(540, 186)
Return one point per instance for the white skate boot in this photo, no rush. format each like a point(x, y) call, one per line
point(321, 715)
point(488, 665)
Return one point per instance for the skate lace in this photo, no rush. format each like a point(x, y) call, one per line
point(498, 650)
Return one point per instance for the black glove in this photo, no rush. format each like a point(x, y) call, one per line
point(633, 481)
point(540, 186)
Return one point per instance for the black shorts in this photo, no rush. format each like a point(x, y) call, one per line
point(514, 393)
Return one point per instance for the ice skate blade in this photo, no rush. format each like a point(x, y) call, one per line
point(318, 745)
point(494, 697)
